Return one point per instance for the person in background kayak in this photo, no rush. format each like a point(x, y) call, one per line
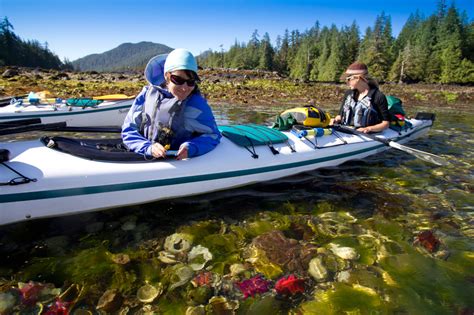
point(364, 106)
point(170, 113)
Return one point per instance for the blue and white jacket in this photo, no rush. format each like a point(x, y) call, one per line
point(191, 122)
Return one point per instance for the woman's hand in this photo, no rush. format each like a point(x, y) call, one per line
point(375, 128)
point(366, 129)
point(157, 150)
point(335, 120)
point(182, 152)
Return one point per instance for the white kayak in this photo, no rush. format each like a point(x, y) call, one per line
point(63, 184)
point(108, 113)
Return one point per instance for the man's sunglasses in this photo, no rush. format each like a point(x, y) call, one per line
point(180, 81)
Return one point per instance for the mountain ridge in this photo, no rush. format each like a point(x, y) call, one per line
point(125, 57)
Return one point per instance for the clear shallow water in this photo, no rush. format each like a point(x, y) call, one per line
point(377, 208)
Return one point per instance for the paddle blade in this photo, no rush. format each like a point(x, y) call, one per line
point(425, 156)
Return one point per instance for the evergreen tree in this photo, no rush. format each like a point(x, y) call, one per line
point(252, 53)
point(282, 54)
point(266, 53)
point(449, 47)
point(330, 63)
point(350, 44)
point(376, 47)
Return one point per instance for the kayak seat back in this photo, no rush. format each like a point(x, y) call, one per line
point(250, 136)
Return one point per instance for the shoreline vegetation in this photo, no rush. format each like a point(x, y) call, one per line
point(231, 86)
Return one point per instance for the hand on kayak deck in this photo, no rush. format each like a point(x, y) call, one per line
point(365, 129)
point(182, 152)
point(157, 150)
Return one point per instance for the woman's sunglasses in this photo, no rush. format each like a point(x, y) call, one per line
point(352, 77)
point(180, 81)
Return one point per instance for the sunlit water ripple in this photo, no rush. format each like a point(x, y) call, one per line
point(392, 195)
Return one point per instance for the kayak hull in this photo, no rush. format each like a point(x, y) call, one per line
point(67, 184)
point(108, 113)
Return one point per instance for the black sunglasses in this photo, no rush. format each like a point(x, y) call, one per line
point(180, 81)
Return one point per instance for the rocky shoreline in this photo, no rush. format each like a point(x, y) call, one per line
point(229, 86)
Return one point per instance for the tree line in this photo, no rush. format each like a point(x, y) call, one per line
point(16, 52)
point(435, 49)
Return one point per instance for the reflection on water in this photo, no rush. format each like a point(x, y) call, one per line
point(391, 234)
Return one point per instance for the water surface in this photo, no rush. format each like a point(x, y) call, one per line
point(390, 234)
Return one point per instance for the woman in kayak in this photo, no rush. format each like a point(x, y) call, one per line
point(364, 106)
point(170, 113)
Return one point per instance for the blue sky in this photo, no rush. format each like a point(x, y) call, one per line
point(74, 29)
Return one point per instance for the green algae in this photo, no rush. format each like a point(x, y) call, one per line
point(345, 299)
point(425, 283)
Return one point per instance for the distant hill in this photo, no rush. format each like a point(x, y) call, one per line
point(125, 57)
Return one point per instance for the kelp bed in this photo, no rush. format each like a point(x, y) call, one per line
point(388, 235)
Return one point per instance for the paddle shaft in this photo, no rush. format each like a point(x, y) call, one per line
point(25, 125)
point(20, 122)
point(425, 156)
point(20, 129)
point(90, 129)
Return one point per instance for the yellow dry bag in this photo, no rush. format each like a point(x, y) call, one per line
point(310, 116)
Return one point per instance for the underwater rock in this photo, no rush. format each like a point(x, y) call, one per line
point(317, 270)
point(347, 253)
point(261, 263)
point(110, 301)
point(129, 225)
point(343, 276)
point(121, 259)
point(285, 252)
point(442, 254)
point(221, 305)
point(7, 302)
point(148, 293)
point(199, 295)
point(198, 257)
point(333, 224)
point(82, 309)
point(236, 269)
point(181, 275)
point(434, 190)
point(290, 285)
point(95, 227)
point(196, 310)
point(167, 258)
point(149, 309)
point(57, 244)
point(178, 243)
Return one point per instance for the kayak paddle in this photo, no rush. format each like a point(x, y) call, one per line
point(59, 126)
point(34, 127)
point(425, 156)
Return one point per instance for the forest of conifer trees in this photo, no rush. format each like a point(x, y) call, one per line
point(16, 52)
point(434, 49)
